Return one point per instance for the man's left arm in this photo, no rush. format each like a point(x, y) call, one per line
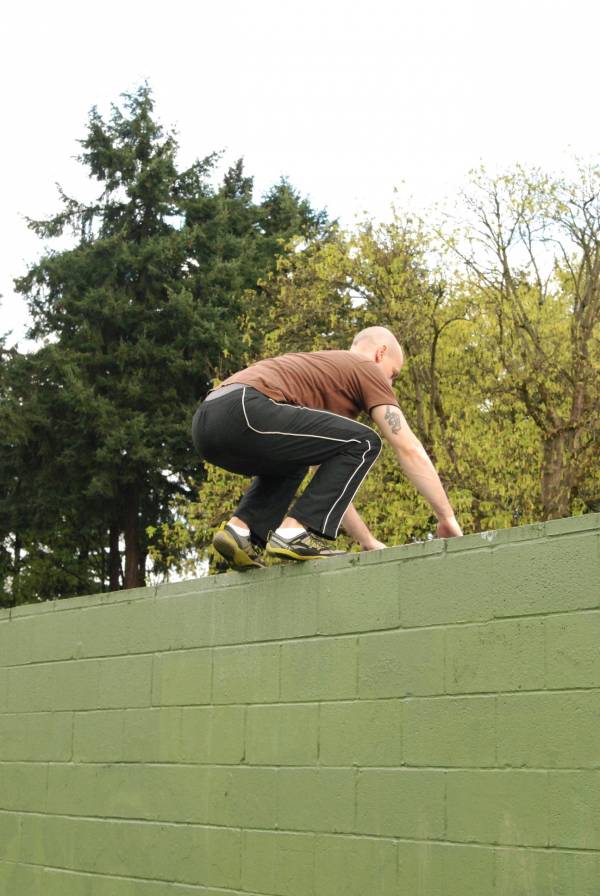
point(356, 528)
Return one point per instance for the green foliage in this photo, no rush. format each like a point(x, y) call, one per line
point(138, 318)
point(500, 363)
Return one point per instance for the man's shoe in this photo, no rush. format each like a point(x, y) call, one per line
point(237, 550)
point(306, 546)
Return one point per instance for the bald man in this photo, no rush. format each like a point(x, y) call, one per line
point(279, 417)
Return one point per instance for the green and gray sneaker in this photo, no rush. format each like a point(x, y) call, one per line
point(237, 550)
point(306, 546)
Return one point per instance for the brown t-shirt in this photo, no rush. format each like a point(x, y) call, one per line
point(343, 382)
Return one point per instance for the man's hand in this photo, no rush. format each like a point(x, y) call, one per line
point(372, 545)
point(448, 528)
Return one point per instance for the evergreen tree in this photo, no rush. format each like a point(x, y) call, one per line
point(137, 319)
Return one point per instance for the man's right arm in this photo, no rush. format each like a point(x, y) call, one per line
point(416, 465)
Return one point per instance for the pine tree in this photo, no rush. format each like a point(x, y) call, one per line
point(137, 319)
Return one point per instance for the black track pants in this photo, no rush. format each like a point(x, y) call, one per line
point(245, 432)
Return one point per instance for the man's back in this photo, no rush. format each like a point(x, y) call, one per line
point(341, 382)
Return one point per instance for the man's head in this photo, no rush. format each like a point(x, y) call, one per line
point(380, 345)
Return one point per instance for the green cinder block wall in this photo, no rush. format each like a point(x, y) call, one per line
point(421, 721)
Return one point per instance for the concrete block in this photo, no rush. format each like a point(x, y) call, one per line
point(497, 537)
point(153, 851)
point(365, 732)
point(123, 791)
point(315, 799)
point(506, 655)
point(72, 685)
point(183, 677)
point(212, 734)
point(247, 674)
point(37, 609)
point(124, 681)
point(355, 866)
point(521, 872)
point(450, 588)
point(359, 600)
point(279, 609)
point(151, 735)
point(53, 686)
point(445, 869)
point(183, 620)
point(401, 663)
point(43, 736)
point(146, 626)
point(450, 731)
point(106, 598)
point(285, 734)
point(553, 730)
point(573, 650)
point(278, 863)
point(23, 786)
point(98, 736)
point(573, 524)
point(48, 839)
point(548, 576)
point(318, 669)
point(400, 803)
point(75, 789)
point(503, 807)
point(154, 792)
point(195, 588)
point(10, 836)
point(9, 642)
point(23, 879)
point(113, 629)
point(242, 797)
point(575, 809)
point(215, 858)
point(55, 882)
point(46, 636)
point(15, 636)
point(229, 616)
point(3, 690)
point(574, 872)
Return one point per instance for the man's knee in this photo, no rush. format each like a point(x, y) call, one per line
point(367, 446)
point(375, 441)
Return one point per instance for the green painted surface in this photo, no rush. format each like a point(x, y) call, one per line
point(423, 721)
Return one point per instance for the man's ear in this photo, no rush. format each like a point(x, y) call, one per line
point(380, 352)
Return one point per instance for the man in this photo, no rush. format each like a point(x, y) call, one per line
point(281, 415)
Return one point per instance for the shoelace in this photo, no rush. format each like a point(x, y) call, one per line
point(317, 541)
point(249, 546)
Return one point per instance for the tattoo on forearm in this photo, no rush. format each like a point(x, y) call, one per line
point(393, 419)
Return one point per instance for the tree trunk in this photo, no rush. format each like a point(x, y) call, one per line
point(16, 569)
point(114, 559)
point(134, 578)
point(143, 559)
point(557, 478)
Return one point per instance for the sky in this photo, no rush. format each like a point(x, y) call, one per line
point(361, 105)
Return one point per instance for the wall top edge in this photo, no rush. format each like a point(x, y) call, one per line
point(488, 540)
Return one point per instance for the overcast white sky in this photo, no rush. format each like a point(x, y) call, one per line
point(348, 100)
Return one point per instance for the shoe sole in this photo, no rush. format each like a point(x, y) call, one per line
point(226, 545)
point(289, 554)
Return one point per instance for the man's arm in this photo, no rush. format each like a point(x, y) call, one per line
point(357, 529)
point(354, 526)
point(417, 466)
